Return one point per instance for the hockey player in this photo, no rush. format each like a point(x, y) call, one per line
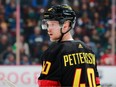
point(66, 62)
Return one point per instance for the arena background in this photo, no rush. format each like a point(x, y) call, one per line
point(22, 40)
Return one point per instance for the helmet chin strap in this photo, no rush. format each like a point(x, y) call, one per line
point(62, 34)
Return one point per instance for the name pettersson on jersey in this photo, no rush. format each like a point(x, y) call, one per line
point(79, 58)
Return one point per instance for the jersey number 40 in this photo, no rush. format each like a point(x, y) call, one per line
point(90, 76)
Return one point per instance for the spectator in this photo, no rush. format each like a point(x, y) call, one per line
point(10, 8)
point(106, 58)
point(4, 30)
point(10, 60)
point(35, 42)
point(22, 45)
point(90, 44)
point(25, 60)
point(3, 45)
point(78, 33)
point(95, 37)
point(8, 51)
point(36, 37)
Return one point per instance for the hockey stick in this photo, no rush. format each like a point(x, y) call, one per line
point(9, 83)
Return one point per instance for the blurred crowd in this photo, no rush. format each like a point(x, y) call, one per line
point(93, 26)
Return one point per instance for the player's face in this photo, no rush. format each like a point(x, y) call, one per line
point(53, 30)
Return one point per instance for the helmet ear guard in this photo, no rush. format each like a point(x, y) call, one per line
point(59, 13)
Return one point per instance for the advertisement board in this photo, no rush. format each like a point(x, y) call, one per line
point(107, 76)
point(26, 76)
point(21, 76)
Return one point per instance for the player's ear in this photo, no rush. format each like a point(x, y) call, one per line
point(66, 26)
